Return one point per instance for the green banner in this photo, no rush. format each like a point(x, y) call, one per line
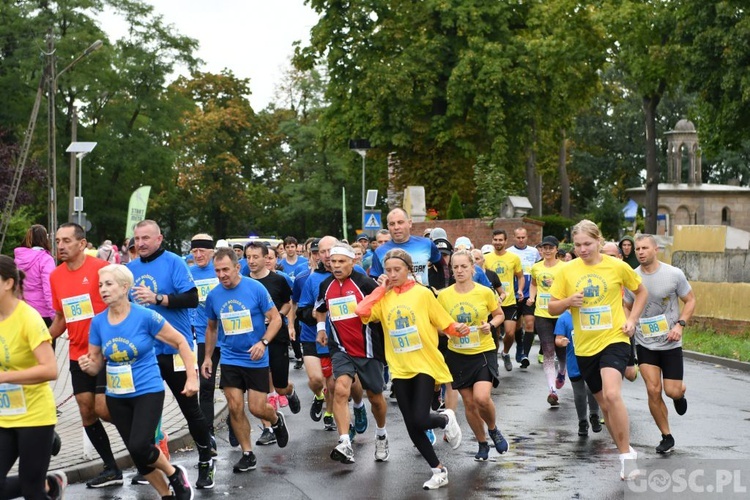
point(137, 209)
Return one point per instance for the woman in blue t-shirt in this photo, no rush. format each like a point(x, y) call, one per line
point(123, 335)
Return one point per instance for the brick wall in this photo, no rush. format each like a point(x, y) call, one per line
point(479, 231)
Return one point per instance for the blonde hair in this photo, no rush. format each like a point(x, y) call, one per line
point(464, 253)
point(589, 229)
point(122, 275)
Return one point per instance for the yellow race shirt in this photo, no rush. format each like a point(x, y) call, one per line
point(471, 308)
point(31, 405)
point(410, 321)
point(598, 322)
point(544, 276)
point(506, 266)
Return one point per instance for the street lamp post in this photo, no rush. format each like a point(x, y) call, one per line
point(360, 146)
point(80, 149)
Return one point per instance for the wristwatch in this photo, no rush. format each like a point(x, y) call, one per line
point(265, 342)
point(681, 322)
point(159, 299)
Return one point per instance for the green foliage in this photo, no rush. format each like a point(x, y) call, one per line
point(725, 345)
point(454, 209)
point(556, 225)
point(20, 221)
point(606, 211)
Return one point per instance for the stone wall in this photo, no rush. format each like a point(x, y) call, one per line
point(479, 231)
point(731, 266)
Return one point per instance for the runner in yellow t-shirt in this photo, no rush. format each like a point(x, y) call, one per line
point(411, 317)
point(507, 266)
point(472, 359)
point(27, 406)
point(590, 287)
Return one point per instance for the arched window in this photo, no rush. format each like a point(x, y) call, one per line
point(725, 217)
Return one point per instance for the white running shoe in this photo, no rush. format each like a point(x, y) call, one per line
point(452, 430)
point(438, 480)
point(633, 471)
point(381, 449)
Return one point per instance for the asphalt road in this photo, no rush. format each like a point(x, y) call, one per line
point(547, 459)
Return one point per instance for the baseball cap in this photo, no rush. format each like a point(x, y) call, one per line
point(438, 233)
point(550, 240)
point(487, 249)
point(444, 246)
point(222, 244)
point(464, 242)
point(315, 245)
point(238, 246)
point(131, 243)
point(362, 236)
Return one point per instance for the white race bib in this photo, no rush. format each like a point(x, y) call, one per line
point(342, 308)
point(405, 339)
point(237, 322)
point(12, 400)
point(595, 318)
point(654, 326)
point(77, 308)
point(469, 341)
point(120, 379)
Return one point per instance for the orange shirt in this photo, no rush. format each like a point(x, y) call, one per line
point(76, 295)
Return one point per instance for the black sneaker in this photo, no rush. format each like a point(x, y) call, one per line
point(56, 443)
point(583, 428)
point(247, 462)
point(107, 477)
point(280, 430)
point(294, 405)
point(316, 410)
point(233, 442)
point(138, 479)
point(328, 423)
point(525, 362)
point(206, 472)
point(180, 484)
point(666, 444)
point(298, 364)
point(596, 423)
point(680, 405)
point(214, 452)
point(57, 482)
point(266, 438)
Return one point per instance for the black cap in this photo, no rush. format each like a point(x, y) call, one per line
point(131, 243)
point(550, 240)
point(315, 245)
point(444, 246)
point(238, 246)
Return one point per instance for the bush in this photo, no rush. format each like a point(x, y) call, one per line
point(454, 208)
point(556, 225)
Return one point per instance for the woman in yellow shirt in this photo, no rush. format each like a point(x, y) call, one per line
point(543, 275)
point(472, 359)
point(27, 405)
point(411, 318)
point(590, 287)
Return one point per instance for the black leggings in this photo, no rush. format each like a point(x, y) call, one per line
point(32, 446)
point(191, 410)
point(414, 396)
point(136, 420)
point(208, 386)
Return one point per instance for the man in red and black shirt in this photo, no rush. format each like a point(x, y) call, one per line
point(356, 351)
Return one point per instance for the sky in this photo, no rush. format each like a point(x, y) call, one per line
point(252, 38)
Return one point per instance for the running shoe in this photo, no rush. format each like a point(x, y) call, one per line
point(452, 430)
point(382, 451)
point(316, 410)
point(525, 362)
point(57, 482)
point(666, 444)
point(267, 437)
point(180, 484)
point(138, 479)
point(596, 422)
point(540, 358)
point(519, 354)
point(298, 364)
point(56, 445)
point(583, 428)
point(438, 480)
point(680, 405)
point(560, 380)
point(294, 404)
point(246, 462)
point(431, 436)
point(328, 423)
point(233, 442)
point(507, 363)
point(552, 399)
point(352, 433)
point(484, 452)
point(501, 444)
point(631, 455)
point(280, 430)
point(273, 400)
point(206, 472)
point(107, 477)
point(360, 419)
point(214, 452)
point(283, 401)
point(343, 453)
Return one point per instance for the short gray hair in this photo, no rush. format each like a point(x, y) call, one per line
point(122, 275)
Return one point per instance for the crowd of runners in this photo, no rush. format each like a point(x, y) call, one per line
point(427, 321)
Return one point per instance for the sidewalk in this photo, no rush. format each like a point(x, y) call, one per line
point(71, 458)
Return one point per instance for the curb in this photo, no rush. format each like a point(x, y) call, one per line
point(717, 360)
point(88, 470)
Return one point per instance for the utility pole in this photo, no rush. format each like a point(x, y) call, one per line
point(51, 139)
point(72, 177)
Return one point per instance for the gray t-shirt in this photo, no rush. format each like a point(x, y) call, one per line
point(662, 310)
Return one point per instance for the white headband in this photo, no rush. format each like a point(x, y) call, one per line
point(342, 251)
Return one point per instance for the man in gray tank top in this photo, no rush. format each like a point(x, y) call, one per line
point(658, 335)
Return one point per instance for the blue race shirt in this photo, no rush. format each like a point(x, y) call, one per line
point(240, 314)
point(564, 326)
point(294, 270)
point(131, 343)
point(205, 280)
point(166, 274)
point(481, 278)
point(307, 299)
point(422, 252)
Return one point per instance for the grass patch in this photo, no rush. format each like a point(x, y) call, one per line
point(718, 344)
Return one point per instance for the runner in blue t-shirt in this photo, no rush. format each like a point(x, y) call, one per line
point(292, 264)
point(237, 312)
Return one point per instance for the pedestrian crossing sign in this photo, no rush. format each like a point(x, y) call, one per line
point(372, 220)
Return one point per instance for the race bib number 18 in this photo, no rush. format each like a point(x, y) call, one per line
point(342, 308)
